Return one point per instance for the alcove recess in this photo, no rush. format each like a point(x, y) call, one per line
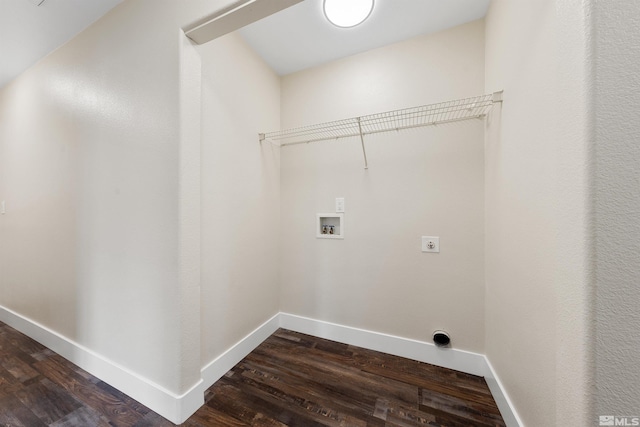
point(330, 226)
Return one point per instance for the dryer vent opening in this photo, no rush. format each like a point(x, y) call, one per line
point(441, 338)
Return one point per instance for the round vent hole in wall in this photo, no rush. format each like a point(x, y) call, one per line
point(441, 338)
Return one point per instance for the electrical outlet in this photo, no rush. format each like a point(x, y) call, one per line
point(431, 244)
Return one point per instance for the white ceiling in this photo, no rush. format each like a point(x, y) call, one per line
point(294, 39)
point(300, 37)
point(29, 32)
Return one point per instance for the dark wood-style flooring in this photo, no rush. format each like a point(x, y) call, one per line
point(289, 380)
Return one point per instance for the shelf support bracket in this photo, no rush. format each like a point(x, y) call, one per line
point(364, 152)
point(263, 138)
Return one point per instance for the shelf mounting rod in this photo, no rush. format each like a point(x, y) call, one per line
point(364, 152)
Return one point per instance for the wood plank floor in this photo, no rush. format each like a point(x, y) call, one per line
point(289, 380)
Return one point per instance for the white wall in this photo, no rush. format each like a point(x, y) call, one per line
point(100, 242)
point(420, 182)
point(98, 246)
point(240, 194)
point(90, 160)
point(538, 270)
point(617, 206)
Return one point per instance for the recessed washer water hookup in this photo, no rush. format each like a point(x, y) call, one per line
point(441, 338)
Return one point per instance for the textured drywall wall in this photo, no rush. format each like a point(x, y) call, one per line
point(538, 270)
point(617, 206)
point(91, 171)
point(240, 194)
point(420, 182)
point(96, 243)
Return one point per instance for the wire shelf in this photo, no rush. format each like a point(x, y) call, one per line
point(425, 115)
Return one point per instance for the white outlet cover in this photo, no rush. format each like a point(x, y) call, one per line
point(431, 244)
point(339, 204)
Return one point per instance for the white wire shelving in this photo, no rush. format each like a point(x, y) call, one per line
point(476, 107)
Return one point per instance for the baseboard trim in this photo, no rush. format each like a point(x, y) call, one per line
point(215, 369)
point(507, 410)
point(460, 360)
point(154, 396)
point(178, 408)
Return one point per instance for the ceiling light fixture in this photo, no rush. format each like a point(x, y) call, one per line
point(347, 13)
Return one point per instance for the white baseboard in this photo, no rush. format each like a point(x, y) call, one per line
point(154, 396)
point(460, 360)
point(215, 369)
point(507, 410)
point(177, 408)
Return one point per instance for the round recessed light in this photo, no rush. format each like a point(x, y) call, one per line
point(347, 13)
